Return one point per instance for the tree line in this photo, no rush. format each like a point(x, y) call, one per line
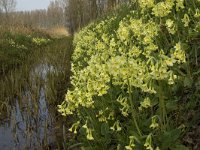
point(72, 14)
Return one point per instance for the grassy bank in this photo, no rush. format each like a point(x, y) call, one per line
point(18, 63)
point(44, 68)
point(136, 79)
point(17, 46)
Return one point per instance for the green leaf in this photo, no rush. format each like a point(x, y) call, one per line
point(104, 129)
point(179, 147)
point(169, 138)
point(197, 72)
point(171, 106)
point(187, 82)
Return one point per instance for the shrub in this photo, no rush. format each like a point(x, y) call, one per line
point(128, 74)
point(15, 48)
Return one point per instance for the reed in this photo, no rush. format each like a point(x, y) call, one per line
point(32, 90)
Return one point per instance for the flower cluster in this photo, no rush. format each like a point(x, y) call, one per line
point(40, 41)
point(119, 58)
point(16, 45)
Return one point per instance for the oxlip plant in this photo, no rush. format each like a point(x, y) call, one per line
point(128, 70)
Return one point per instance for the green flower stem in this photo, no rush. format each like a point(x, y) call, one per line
point(188, 67)
point(162, 107)
point(196, 57)
point(133, 111)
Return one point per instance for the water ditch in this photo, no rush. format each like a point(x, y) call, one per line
point(29, 117)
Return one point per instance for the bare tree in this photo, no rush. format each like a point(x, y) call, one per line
point(73, 14)
point(111, 4)
point(1, 15)
point(93, 6)
point(8, 5)
point(56, 13)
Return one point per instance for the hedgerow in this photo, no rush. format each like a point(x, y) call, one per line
point(128, 74)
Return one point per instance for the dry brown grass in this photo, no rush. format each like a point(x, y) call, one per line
point(54, 32)
point(19, 29)
point(15, 29)
point(58, 32)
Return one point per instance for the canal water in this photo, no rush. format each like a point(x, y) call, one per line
point(28, 117)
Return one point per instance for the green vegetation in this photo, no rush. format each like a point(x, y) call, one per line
point(31, 91)
point(136, 78)
point(16, 48)
point(58, 55)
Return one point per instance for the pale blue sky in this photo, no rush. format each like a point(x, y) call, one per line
point(32, 4)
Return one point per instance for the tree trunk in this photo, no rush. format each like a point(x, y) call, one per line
point(93, 9)
point(111, 4)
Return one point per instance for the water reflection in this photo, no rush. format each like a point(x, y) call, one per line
point(6, 139)
point(30, 123)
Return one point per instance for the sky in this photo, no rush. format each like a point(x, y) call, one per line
point(32, 4)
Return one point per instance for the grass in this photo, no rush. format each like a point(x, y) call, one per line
point(18, 62)
point(16, 46)
point(58, 32)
